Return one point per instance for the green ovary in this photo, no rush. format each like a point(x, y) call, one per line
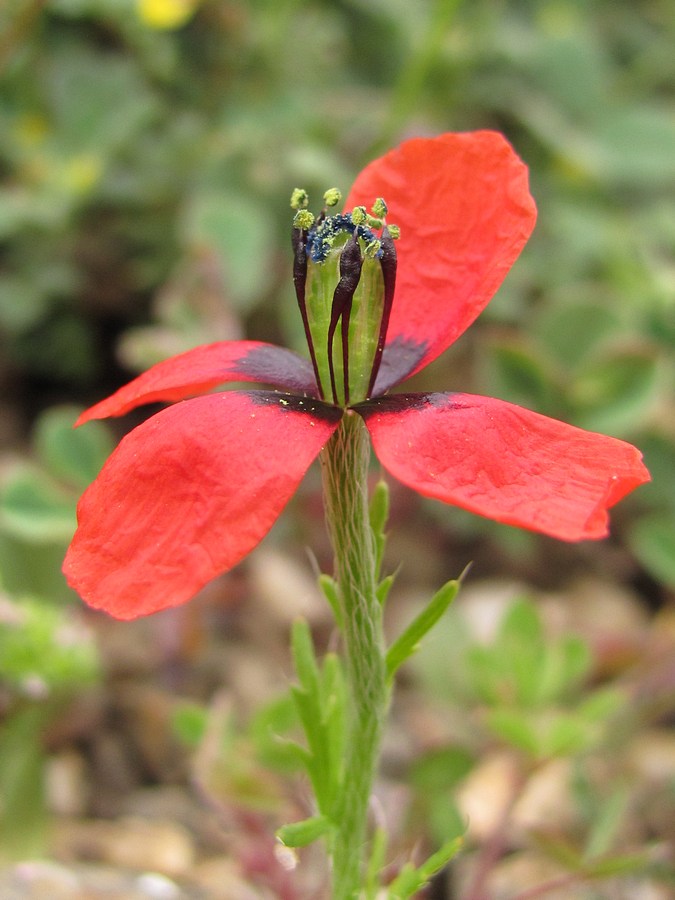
point(365, 316)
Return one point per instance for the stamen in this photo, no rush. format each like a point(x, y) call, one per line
point(388, 264)
point(303, 219)
point(298, 239)
point(332, 197)
point(373, 248)
point(351, 263)
point(299, 199)
point(359, 215)
point(379, 208)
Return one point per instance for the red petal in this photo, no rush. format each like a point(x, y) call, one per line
point(188, 494)
point(504, 462)
point(203, 368)
point(465, 212)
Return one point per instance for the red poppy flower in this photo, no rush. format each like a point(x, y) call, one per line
point(190, 492)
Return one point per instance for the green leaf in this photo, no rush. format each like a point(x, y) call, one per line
point(375, 864)
point(573, 330)
point(299, 834)
point(516, 371)
point(379, 507)
point(652, 539)
point(440, 770)
point(76, 455)
point(99, 100)
point(23, 818)
point(408, 642)
point(608, 819)
point(564, 665)
point(521, 649)
point(659, 453)
point(321, 703)
point(41, 642)
point(384, 587)
point(22, 304)
point(559, 849)
point(631, 863)
point(379, 513)
point(566, 734)
point(35, 509)
point(304, 658)
point(601, 705)
point(637, 145)
point(332, 593)
point(613, 392)
point(515, 728)
point(235, 226)
point(189, 723)
point(412, 879)
point(268, 729)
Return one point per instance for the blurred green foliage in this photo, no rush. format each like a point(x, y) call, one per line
point(46, 657)
point(531, 694)
point(38, 496)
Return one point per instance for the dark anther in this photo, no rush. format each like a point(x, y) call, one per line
point(388, 264)
point(351, 263)
point(298, 240)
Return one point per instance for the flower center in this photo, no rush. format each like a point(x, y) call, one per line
point(344, 276)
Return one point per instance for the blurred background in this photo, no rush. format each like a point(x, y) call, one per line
point(148, 149)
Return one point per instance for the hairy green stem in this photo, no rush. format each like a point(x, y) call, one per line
point(344, 463)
